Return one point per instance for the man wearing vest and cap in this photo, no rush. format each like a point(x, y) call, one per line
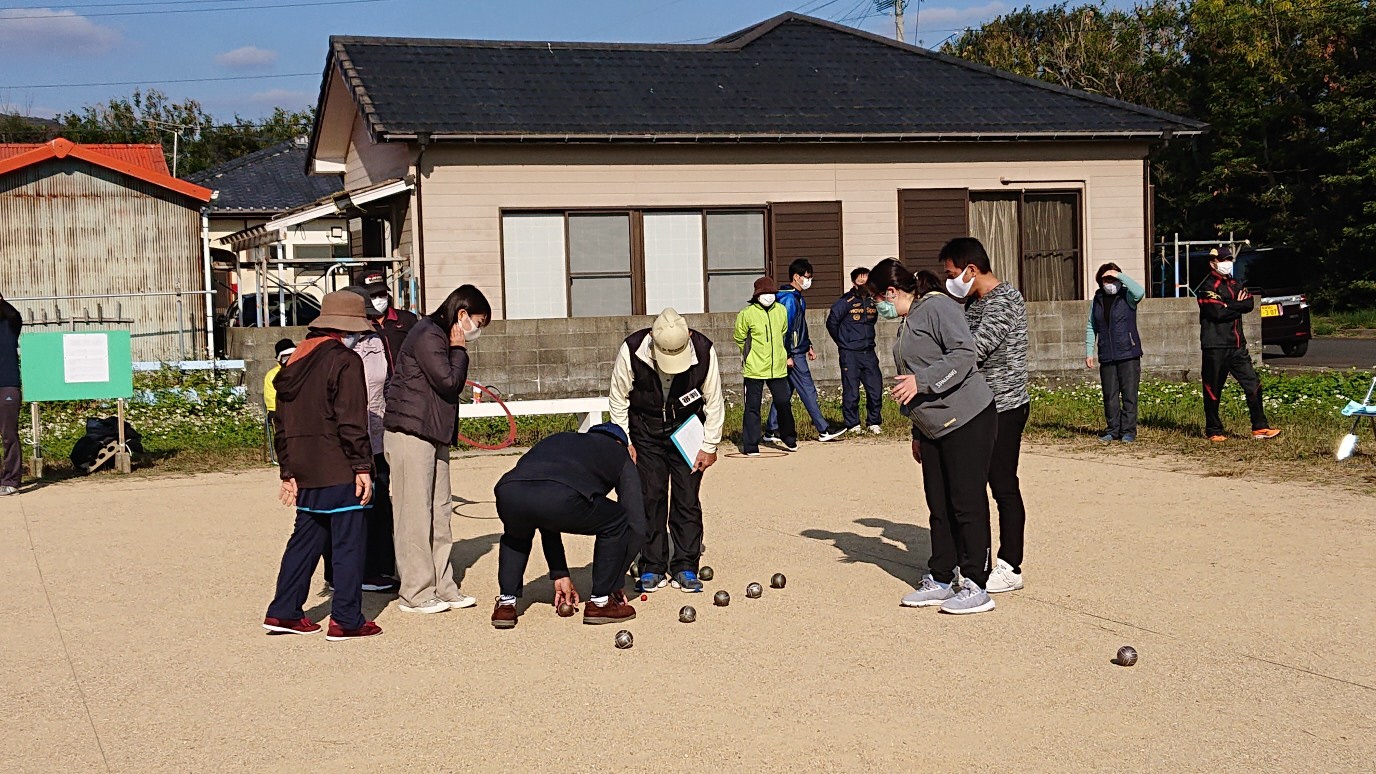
point(663, 377)
point(392, 324)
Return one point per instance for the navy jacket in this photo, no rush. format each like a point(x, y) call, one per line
point(591, 464)
point(797, 342)
point(1115, 323)
point(851, 321)
point(10, 323)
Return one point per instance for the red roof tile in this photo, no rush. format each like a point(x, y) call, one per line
point(144, 162)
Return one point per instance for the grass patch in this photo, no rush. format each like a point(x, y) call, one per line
point(1338, 323)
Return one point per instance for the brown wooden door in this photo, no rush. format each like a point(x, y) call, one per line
point(928, 218)
point(810, 230)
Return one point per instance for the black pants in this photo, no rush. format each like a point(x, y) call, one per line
point(861, 367)
point(1120, 382)
point(1003, 483)
point(1218, 363)
point(554, 509)
point(381, 551)
point(780, 393)
point(12, 466)
point(672, 506)
point(955, 471)
point(345, 534)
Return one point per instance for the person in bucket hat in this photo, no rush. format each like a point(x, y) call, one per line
point(665, 376)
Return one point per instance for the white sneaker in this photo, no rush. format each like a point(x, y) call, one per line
point(5, 491)
point(463, 601)
point(876, 430)
point(856, 429)
point(830, 435)
point(1003, 578)
point(428, 607)
point(771, 438)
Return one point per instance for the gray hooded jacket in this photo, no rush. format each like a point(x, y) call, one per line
point(935, 346)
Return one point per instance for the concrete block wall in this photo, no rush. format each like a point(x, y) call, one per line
point(572, 357)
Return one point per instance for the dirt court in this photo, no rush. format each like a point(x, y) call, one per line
point(131, 638)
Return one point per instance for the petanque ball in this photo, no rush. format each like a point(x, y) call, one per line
point(624, 639)
point(721, 599)
point(687, 614)
point(1127, 656)
point(705, 574)
point(566, 610)
point(778, 581)
point(754, 591)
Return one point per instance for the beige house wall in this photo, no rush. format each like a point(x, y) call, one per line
point(368, 162)
point(466, 188)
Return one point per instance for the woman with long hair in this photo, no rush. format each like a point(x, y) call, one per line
point(954, 423)
point(422, 416)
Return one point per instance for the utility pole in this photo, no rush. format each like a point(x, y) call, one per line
point(898, 20)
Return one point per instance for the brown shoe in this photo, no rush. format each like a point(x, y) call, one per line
point(615, 611)
point(504, 616)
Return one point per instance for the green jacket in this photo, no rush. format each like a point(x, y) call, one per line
point(760, 333)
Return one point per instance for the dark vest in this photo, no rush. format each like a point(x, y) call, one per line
point(651, 410)
point(1116, 322)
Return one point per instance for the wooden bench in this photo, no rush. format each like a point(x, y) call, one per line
point(592, 410)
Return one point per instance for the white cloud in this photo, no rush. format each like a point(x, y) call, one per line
point(931, 17)
point(247, 58)
point(287, 98)
point(45, 30)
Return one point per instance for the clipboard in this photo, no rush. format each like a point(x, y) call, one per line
point(688, 439)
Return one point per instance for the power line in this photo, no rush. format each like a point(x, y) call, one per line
point(160, 80)
point(273, 7)
point(54, 7)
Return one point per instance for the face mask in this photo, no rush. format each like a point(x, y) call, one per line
point(473, 334)
point(766, 300)
point(1225, 268)
point(958, 286)
point(806, 283)
point(380, 303)
point(887, 310)
point(1111, 288)
point(350, 340)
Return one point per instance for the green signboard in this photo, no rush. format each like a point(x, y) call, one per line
point(85, 365)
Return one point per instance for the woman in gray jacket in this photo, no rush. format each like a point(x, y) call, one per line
point(954, 424)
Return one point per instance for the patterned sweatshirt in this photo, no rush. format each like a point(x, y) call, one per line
point(998, 320)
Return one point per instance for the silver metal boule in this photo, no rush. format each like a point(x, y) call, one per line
point(721, 599)
point(624, 639)
point(565, 610)
point(705, 574)
point(754, 590)
point(687, 614)
point(778, 581)
point(1127, 656)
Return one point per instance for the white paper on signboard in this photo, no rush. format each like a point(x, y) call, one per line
point(85, 358)
point(688, 439)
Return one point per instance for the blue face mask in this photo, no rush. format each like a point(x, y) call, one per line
point(887, 310)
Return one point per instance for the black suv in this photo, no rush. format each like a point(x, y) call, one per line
point(1271, 274)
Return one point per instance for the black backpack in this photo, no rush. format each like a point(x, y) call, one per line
point(90, 453)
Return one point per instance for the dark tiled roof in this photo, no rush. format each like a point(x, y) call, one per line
point(792, 77)
point(268, 181)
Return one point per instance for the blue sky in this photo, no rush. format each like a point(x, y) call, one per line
point(142, 42)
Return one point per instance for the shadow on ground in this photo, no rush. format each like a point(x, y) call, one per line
point(906, 561)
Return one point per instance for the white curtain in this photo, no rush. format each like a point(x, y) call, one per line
point(994, 222)
point(673, 262)
point(1050, 247)
point(533, 255)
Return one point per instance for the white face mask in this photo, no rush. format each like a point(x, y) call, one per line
point(766, 299)
point(380, 303)
point(958, 286)
point(1111, 288)
point(471, 335)
point(805, 284)
point(1225, 268)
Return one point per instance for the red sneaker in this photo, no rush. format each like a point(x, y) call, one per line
point(338, 633)
point(290, 625)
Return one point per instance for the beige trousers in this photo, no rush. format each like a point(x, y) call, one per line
point(421, 514)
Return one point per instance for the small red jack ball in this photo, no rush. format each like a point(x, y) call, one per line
point(644, 597)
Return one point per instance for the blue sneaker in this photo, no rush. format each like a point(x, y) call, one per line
point(1106, 437)
point(687, 581)
point(651, 582)
point(1128, 438)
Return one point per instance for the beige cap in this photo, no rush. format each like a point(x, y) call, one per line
point(671, 344)
point(342, 311)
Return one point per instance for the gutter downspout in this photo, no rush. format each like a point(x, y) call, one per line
point(209, 295)
point(423, 140)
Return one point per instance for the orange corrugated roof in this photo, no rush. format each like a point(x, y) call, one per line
point(144, 162)
point(144, 155)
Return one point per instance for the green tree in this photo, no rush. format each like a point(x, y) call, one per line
point(201, 141)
